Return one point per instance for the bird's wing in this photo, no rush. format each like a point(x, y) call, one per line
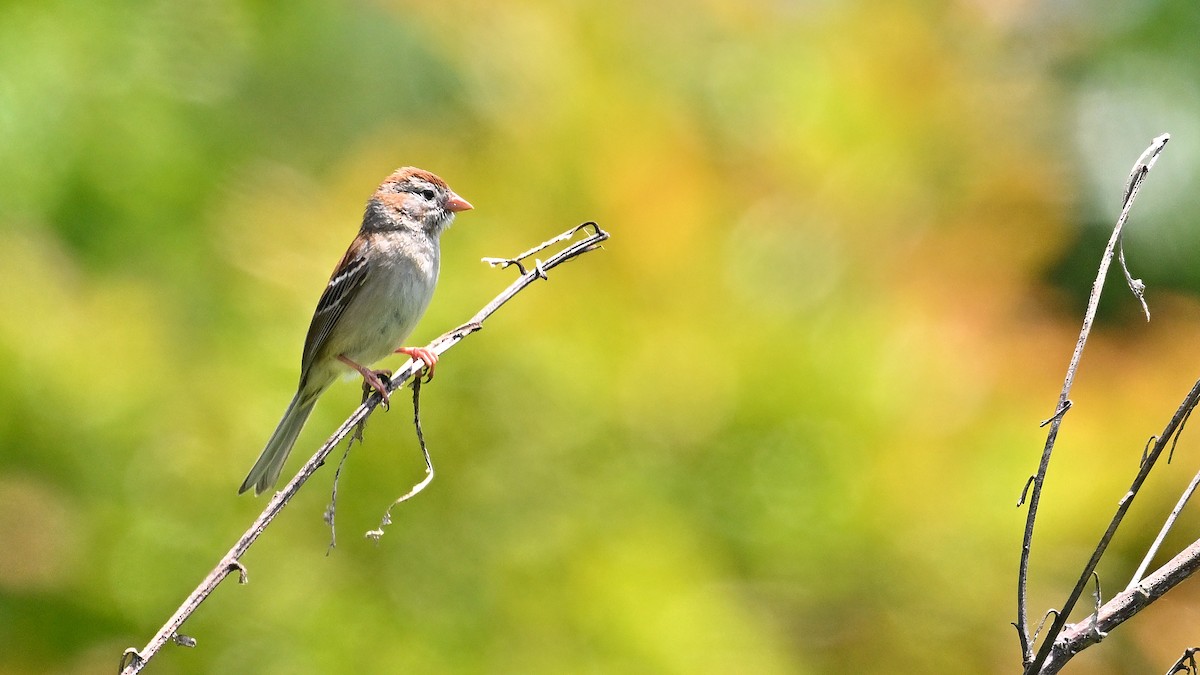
point(347, 278)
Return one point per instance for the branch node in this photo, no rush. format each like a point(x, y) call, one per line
point(184, 640)
point(1042, 623)
point(1146, 449)
point(1025, 491)
point(1058, 414)
point(1186, 663)
point(131, 658)
point(583, 226)
point(1095, 618)
point(502, 263)
point(1136, 286)
point(243, 574)
point(1143, 165)
point(1179, 432)
point(462, 331)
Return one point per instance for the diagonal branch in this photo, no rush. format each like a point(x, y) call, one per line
point(1123, 606)
point(1140, 169)
point(134, 660)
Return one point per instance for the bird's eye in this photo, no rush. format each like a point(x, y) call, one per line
point(428, 193)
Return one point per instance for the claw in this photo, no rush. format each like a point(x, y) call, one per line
point(373, 378)
point(384, 378)
point(426, 356)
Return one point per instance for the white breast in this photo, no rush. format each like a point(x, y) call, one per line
point(400, 281)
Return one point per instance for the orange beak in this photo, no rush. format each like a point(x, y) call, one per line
point(456, 204)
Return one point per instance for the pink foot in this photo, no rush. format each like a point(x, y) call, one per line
point(421, 354)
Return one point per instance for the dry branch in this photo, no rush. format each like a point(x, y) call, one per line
point(1033, 662)
point(1061, 646)
point(1123, 606)
point(134, 660)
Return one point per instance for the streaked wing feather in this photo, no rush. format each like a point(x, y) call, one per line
point(348, 277)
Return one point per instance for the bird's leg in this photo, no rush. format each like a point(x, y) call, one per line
point(426, 356)
point(372, 378)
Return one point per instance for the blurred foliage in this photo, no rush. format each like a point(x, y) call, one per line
point(777, 426)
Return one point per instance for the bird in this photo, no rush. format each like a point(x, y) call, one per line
point(374, 299)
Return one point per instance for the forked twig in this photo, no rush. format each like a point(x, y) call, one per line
point(1186, 663)
point(1172, 517)
point(1075, 638)
point(1033, 662)
point(133, 660)
point(1053, 654)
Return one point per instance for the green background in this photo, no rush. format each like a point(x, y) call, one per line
point(778, 425)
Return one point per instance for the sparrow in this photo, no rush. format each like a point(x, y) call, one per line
point(374, 299)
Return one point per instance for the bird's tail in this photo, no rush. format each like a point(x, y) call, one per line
point(266, 470)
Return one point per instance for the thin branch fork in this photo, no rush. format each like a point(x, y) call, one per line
point(1140, 170)
point(1186, 663)
point(1123, 606)
point(1065, 641)
point(134, 660)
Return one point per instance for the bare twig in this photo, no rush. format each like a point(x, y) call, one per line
point(1042, 624)
point(1075, 637)
point(1140, 168)
point(1170, 522)
point(1058, 414)
point(1137, 286)
point(1186, 663)
point(1032, 662)
point(331, 510)
point(377, 533)
point(134, 660)
point(1105, 619)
